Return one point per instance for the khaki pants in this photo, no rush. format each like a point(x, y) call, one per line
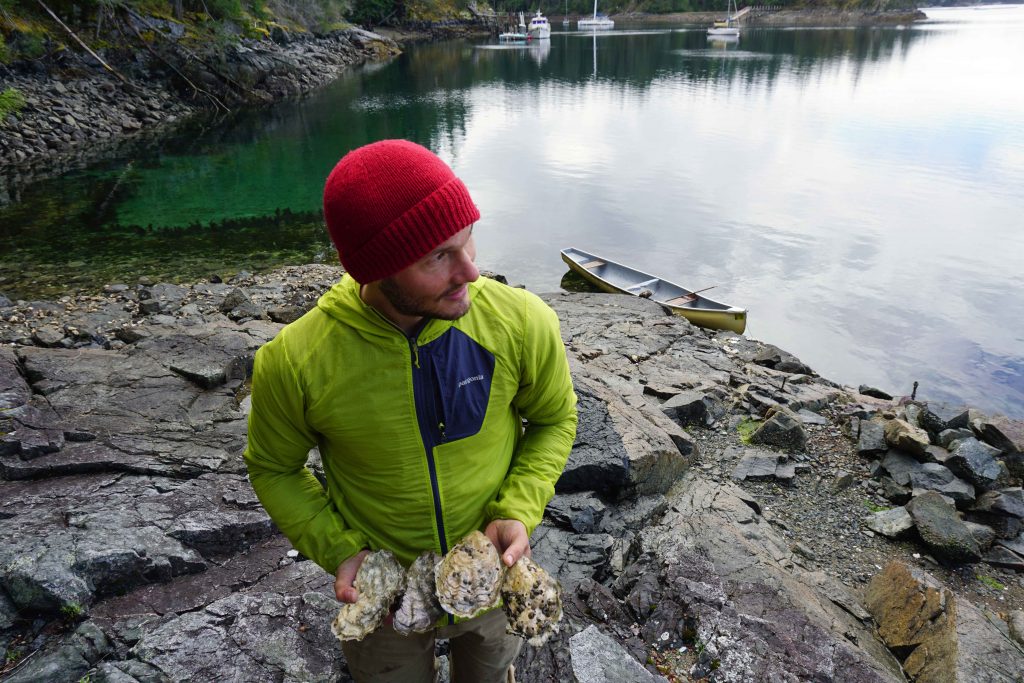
point(481, 652)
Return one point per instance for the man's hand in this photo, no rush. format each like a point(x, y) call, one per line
point(346, 575)
point(510, 538)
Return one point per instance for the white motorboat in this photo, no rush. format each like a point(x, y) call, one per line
point(598, 22)
point(539, 27)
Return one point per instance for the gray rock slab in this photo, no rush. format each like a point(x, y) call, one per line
point(570, 557)
point(750, 601)
point(1008, 501)
point(935, 477)
point(260, 635)
point(894, 523)
point(947, 436)
point(618, 451)
point(598, 658)
point(67, 660)
point(872, 438)
point(580, 512)
point(900, 465)
point(79, 539)
point(1000, 556)
point(756, 464)
point(809, 417)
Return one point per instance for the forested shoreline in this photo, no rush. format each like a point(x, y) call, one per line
point(78, 77)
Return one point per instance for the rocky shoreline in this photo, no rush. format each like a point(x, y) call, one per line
point(726, 514)
point(75, 112)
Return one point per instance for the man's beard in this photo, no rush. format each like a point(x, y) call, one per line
point(419, 307)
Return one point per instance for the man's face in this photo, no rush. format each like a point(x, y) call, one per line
point(436, 285)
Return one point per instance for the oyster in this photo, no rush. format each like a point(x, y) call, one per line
point(468, 578)
point(379, 581)
point(419, 609)
point(532, 601)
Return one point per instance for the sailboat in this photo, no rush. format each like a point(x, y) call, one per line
point(596, 23)
point(565, 18)
point(726, 28)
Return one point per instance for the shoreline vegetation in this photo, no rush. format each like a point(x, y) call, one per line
point(77, 89)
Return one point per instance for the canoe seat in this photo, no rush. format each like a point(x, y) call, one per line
point(680, 300)
point(593, 264)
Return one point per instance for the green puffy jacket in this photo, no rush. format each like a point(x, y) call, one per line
point(421, 438)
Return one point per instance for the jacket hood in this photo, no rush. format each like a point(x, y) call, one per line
point(343, 303)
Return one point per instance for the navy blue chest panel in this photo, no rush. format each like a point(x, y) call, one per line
point(456, 372)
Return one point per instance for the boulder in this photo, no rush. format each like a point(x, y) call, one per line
point(906, 437)
point(868, 390)
point(1004, 434)
point(942, 529)
point(940, 638)
point(783, 430)
point(976, 462)
point(899, 465)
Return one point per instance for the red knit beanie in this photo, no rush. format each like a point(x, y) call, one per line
point(389, 204)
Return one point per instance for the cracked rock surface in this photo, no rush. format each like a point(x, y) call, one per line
point(132, 548)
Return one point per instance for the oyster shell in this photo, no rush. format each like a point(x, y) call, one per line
point(379, 581)
point(419, 609)
point(532, 601)
point(468, 578)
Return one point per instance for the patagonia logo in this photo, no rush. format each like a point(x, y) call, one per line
point(470, 380)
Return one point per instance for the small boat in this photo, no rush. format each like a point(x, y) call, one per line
point(599, 22)
point(539, 27)
point(519, 36)
point(610, 276)
point(721, 29)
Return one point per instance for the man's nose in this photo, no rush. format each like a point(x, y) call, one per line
point(467, 270)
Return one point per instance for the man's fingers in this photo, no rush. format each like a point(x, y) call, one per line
point(345, 576)
point(519, 547)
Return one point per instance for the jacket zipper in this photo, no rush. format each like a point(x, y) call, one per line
point(424, 396)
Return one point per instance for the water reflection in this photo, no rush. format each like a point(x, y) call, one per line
point(857, 189)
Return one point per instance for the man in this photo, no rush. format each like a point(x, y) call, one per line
point(413, 377)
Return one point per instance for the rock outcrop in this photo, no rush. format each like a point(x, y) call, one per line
point(133, 549)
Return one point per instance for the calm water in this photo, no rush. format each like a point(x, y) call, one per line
point(860, 191)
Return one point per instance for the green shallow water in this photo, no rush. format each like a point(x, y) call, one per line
point(859, 190)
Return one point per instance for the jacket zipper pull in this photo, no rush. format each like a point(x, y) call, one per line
point(415, 353)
